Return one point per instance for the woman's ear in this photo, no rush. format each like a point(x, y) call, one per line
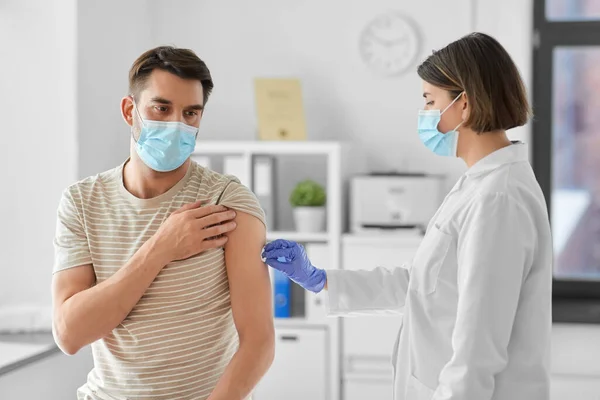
point(465, 106)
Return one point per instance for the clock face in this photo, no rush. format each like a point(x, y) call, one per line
point(389, 44)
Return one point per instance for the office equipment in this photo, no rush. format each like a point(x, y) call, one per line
point(393, 201)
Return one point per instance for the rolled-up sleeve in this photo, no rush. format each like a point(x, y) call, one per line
point(71, 246)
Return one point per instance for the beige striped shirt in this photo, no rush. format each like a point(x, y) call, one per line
point(177, 341)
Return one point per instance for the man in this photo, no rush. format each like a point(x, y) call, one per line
point(159, 284)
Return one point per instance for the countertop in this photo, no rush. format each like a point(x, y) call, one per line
point(20, 349)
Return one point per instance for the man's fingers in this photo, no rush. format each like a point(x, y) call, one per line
point(216, 218)
point(206, 210)
point(189, 206)
point(216, 242)
point(219, 229)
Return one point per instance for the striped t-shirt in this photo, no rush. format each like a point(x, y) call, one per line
point(178, 339)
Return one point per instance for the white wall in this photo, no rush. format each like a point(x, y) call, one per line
point(511, 22)
point(38, 108)
point(112, 34)
point(316, 41)
point(68, 132)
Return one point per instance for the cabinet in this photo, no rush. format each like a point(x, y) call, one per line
point(361, 388)
point(575, 362)
point(299, 371)
point(369, 341)
point(336, 160)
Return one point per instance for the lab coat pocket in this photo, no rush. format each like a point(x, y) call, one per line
point(416, 390)
point(429, 259)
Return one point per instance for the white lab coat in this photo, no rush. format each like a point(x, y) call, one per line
point(476, 299)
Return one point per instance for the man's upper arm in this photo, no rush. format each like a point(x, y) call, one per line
point(249, 283)
point(68, 283)
point(73, 270)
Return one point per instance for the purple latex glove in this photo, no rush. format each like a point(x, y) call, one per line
point(291, 259)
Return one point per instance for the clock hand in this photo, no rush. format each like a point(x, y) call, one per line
point(390, 42)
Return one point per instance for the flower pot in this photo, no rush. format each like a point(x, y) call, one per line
point(309, 219)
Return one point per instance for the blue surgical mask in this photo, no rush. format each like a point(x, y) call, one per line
point(442, 144)
point(164, 145)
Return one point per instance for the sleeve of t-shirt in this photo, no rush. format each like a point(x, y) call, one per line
point(238, 197)
point(71, 247)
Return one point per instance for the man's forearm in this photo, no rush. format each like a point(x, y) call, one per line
point(247, 367)
point(93, 313)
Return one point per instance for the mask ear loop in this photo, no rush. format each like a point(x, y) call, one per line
point(139, 116)
point(450, 105)
point(453, 101)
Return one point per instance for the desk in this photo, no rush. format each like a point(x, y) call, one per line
point(34, 368)
point(20, 350)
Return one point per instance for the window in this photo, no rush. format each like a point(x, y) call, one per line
point(572, 10)
point(566, 152)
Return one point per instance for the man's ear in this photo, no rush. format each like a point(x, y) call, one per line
point(127, 110)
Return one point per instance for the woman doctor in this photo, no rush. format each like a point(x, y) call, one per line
point(476, 298)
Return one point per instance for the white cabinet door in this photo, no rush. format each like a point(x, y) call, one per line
point(374, 336)
point(362, 388)
point(575, 388)
point(575, 365)
point(299, 371)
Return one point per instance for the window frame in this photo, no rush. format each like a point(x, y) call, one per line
point(574, 301)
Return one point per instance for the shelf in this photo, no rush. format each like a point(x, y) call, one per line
point(301, 237)
point(265, 147)
point(298, 323)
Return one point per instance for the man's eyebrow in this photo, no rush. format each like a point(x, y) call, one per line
point(161, 100)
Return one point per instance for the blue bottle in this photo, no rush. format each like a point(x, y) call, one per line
point(282, 288)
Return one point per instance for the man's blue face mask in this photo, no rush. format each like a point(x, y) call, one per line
point(163, 145)
point(442, 144)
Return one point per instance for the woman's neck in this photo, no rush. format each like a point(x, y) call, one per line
point(472, 147)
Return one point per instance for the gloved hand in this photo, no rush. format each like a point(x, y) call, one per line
point(291, 259)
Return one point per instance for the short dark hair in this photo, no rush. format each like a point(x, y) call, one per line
point(181, 62)
point(478, 65)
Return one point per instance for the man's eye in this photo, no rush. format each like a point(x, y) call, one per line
point(191, 113)
point(160, 108)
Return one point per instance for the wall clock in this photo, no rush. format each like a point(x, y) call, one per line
point(390, 44)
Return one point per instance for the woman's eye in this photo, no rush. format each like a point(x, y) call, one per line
point(429, 103)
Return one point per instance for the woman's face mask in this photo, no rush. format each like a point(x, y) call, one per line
point(442, 144)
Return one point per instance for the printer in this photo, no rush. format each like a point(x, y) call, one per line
point(393, 201)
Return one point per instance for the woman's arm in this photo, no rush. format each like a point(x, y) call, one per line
point(379, 291)
point(373, 292)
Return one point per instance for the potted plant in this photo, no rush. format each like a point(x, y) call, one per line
point(308, 201)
